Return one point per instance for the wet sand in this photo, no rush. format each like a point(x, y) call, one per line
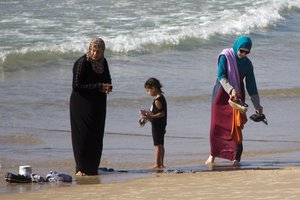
point(259, 183)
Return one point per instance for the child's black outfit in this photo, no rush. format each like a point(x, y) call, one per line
point(159, 124)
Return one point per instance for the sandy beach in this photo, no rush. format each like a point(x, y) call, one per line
point(260, 183)
point(176, 43)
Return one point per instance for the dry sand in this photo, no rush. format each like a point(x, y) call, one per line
point(283, 183)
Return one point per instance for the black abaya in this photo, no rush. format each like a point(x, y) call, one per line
point(87, 115)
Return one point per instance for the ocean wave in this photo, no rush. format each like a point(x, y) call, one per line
point(31, 57)
point(160, 27)
point(203, 25)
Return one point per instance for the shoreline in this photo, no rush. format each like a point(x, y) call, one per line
point(187, 163)
point(271, 183)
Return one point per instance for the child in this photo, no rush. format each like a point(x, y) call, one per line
point(158, 118)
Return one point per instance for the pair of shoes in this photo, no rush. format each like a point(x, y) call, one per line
point(257, 117)
point(13, 178)
point(144, 113)
point(142, 122)
point(238, 105)
point(37, 179)
point(54, 176)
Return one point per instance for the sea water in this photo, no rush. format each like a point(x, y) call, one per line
point(174, 41)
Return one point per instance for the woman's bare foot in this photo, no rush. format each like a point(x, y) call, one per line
point(236, 163)
point(79, 173)
point(210, 160)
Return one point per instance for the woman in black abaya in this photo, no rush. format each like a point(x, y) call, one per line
point(91, 84)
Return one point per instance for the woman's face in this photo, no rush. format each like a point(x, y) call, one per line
point(96, 53)
point(242, 52)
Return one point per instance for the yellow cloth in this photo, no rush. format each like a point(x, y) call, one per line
point(238, 121)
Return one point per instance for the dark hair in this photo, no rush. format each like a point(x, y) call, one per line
point(153, 83)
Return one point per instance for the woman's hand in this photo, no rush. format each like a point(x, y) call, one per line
point(234, 95)
point(107, 88)
point(260, 110)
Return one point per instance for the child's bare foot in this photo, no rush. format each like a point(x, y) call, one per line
point(79, 173)
point(155, 167)
point(210, 160)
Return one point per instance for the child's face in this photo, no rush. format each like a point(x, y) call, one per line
point(151, 91)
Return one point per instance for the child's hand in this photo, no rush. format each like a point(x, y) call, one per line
point(146, 114)
point(145, 117)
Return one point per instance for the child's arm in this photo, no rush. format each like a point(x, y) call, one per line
point(159, 114)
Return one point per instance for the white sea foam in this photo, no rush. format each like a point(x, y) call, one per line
point(204, 26)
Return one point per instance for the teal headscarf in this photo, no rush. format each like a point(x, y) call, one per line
point(244, 65)
point(242, 42)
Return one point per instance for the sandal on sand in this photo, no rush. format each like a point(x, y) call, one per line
point(17, 178)
point(54, 176)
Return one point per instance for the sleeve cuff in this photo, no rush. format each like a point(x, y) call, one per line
point(256, 101)
point(226, 85)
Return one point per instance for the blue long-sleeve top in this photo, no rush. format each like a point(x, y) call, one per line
point(245, 69)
